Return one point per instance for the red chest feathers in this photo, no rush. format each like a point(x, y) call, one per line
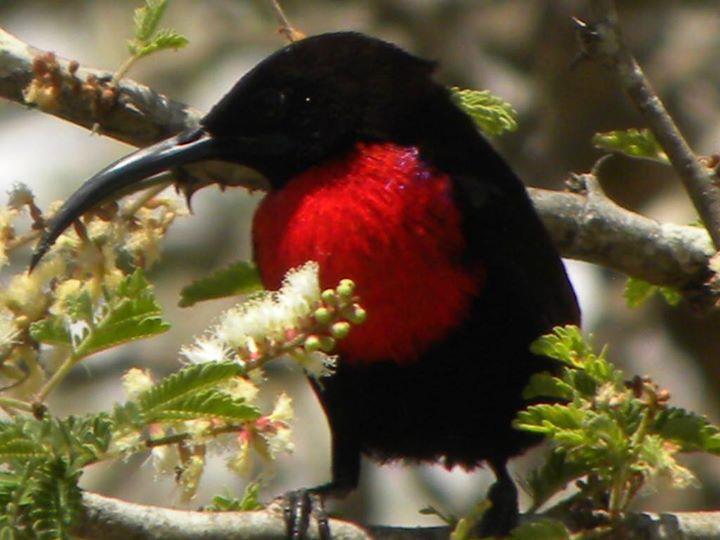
point(386, 220)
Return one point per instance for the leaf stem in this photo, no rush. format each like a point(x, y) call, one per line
point(180, 437)
point(617, 493)
point(13, 403)
point(145, 197)
point(57, 377)
point(123, 69)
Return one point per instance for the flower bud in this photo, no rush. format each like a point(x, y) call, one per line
point(328, 296)
point(323, 316)
point(346, 288)
point(312, 344)
point(340, 330)
point(357, 314)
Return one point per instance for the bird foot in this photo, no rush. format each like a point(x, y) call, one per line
point(298, 505)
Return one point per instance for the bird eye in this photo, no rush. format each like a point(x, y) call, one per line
point(271, 105)
point(274, 99)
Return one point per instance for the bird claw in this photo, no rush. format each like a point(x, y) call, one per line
point(298, 506)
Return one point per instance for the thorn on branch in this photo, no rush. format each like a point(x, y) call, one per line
point(286, 29)
point(597, 40)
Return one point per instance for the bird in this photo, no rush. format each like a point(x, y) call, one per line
point(376, 174)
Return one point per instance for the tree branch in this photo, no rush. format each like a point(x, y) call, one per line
point(113, 519)
point(591, 227)
point(132, 113)
point(603, 40)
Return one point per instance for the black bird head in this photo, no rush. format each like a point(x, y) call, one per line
point(309, 101)
point(316, 97)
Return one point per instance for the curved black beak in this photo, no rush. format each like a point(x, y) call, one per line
point(188, 147)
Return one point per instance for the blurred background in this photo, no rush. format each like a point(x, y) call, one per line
point(522, 50)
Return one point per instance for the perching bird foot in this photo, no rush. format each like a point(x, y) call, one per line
point(298, 506)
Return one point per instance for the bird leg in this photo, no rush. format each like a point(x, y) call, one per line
point(297, 508)
point(298, 505)
point(503, 515)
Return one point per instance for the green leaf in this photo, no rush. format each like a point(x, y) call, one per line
point(9, 482)
point(211, 403)
point(492, 115)
point(127, 416)
point(132, 314)
point(553, 476)
point(14, 444)
point(637, 292)
point(248, 503)
point(238, 278)
point(16, 487)
point(84, 439)
point(80, 440)
point(56, 501)
point(691, 431)
point(545, 385)
point(636, 143)
point(566, 344)
point(147, 19)
point(79, 306)
point(165, 39)
point(466, 527)
point(186, 382)
point(51, 331)
point(542, 529)
point(582, 383)
point(671, 295)
point(550, 419)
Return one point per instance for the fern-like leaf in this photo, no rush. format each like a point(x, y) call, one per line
point(492, 115)
point(211, 403)
point(56, 501)
point(183, 384)
point(239, 278)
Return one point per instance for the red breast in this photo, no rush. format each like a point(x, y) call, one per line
point(383, 218)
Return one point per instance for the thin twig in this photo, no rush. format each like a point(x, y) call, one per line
point(143, 199)
point(22, 240)
point(176, 438)
point(57, 377)
point(123, 69)
point(12, 403)
point(602, 39)
point(286, 29)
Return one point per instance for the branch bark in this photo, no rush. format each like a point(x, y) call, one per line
point(113, 519)
point(590, 227)
point(132, 112)
point(602, 39)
